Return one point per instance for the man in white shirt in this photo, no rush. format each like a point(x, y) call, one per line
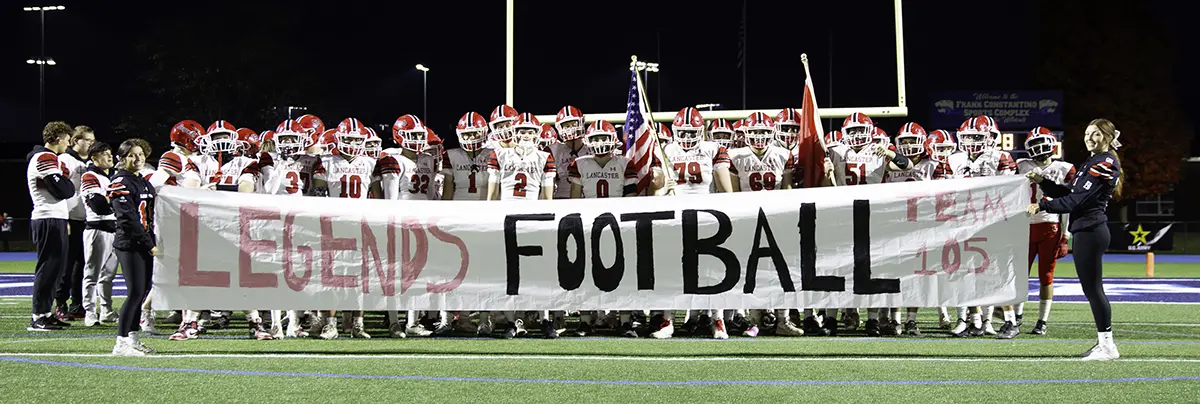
point(51, 191)
point(70, 285)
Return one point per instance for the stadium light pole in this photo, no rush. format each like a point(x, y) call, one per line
point(508, 53)
point(647, 67)
point(424, 91)
point(291, 108)
point(42, 61)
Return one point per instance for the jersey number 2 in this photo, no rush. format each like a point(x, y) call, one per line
point(519, 187)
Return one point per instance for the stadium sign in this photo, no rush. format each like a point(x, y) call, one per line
point(917, 244)
point(1140, 237)
point(1012, 110)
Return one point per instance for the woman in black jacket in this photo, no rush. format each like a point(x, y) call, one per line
point(1097, 181)
point(132, 199)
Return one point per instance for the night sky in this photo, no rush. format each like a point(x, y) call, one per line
point(357, 60)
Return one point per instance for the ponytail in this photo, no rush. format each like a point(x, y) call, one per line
point(1110, 131)
point(1120, 177)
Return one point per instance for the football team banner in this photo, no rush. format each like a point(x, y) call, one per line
point(916, 244)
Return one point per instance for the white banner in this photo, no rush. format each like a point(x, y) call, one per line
point(914, 244)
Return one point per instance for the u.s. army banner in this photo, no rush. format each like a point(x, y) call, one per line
point(913, 244)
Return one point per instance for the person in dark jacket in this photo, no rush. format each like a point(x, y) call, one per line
point(51, 190)
point(1097, 181)
point(132, 199)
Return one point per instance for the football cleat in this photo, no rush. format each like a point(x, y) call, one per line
point(1039, 328)
point(813, 328)
point(418, 330)
point(147, 322)
point(751, 332)
point(944, 322)
point(583, 330)
point(1008, 331)
point(109, 316)
point(396, 330)
point(787, 329)
point(850, 320)
point(872, 328)
point(259, 333)
point(628, 330)
point(911, 329)
point(1102, 353)
point(664, 327)
point(1019, 318)
point(962, 329)
point(831, 327)
point(987, 327)
point(549, 331)
point(175, 317)
point(485, 325)
point(718, 329)
point(357, 331)
point(328, 331)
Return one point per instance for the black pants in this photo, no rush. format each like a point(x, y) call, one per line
point(50, 237)
point(138, 269)
point(70, 285)
point(1089, 246)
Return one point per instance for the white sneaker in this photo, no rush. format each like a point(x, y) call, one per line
point(987, 327)
point(718, 329)
point(276, 331)
point(125, 348)
point(295, 332)
point(396, 330)
point(91, 319)
point(110, 317)
point(174, 317)
point(787, 329)
point(418, 330)
point(958, 329)
point(329, 331)
point(147, 323)
point(1102, 353)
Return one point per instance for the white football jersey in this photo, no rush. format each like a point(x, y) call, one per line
point(923, 170)
point(93, 182)
point(228, 175)
point(45, 206)
point(1059, 172)
point(416, 176)
point(564, 156)
point(207, 168)
point(759, 173)
point(852, 167)
point(521, 176)
point(468, 172)
point(694, 168)
point(347, 178)
point(606, 180)
point(988, 163)
point(173, 168)
point(73, 167)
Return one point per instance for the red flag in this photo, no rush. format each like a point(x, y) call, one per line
point(810, 154)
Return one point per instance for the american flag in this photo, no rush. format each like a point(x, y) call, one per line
point(639, 142)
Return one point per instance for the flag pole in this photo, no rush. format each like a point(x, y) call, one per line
point(660, 154)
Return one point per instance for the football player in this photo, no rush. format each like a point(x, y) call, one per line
point(500, 130)
point(569, 123)
point(700, 167)
point(977, 157)
point(720, 133)
point(761, 166)
point(348, 173)
point(1047, 232)
point(913, 142)
point(417, 171)
point(601, 175)
point(862, 158)
point(465, 172)
point(522, 172)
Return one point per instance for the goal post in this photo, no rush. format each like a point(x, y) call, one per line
point(899, 110)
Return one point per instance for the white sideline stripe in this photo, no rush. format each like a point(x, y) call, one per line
point(249, 355)
point(25, 341)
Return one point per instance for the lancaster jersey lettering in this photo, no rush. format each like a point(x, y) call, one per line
point(607, 180)
point(347, 178)
point(521, 176)
point(855, 167)
point(986, 164)
point(416, 176)
point(759, 173)
point(468, 171)
point(694, 168)
point(923, 170)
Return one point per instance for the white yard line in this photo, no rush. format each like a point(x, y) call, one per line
point(249, 355)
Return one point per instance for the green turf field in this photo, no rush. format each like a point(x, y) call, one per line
point(1159, 343)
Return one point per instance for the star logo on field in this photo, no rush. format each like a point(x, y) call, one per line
point(1139, 236)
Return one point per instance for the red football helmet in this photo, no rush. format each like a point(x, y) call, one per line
point(601, 138)
point(311, 124)
point(760, 130)
point(978, 134)
point(373, 146)
point(471, 131)
point(1040, 143)
point(221, 137)
point(787, 127)
point(881, 136)
point(291, 138)
point(739, 132)
point(527, 130)
point(665, 137)
point(186, 134)
point(410, 133)
point(500, 123)
point(351, 137)
point(688, 128)
point(833, 137)
point(858, 130)
point(940, 145)
point(325, 142)
point(720, 132)
point(910, 142)
point(547, 137)
point(246, 136)
point(569, 123)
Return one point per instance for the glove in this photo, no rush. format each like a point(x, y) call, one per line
point(1062, 248)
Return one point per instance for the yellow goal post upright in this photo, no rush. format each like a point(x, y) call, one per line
point(899, 110)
